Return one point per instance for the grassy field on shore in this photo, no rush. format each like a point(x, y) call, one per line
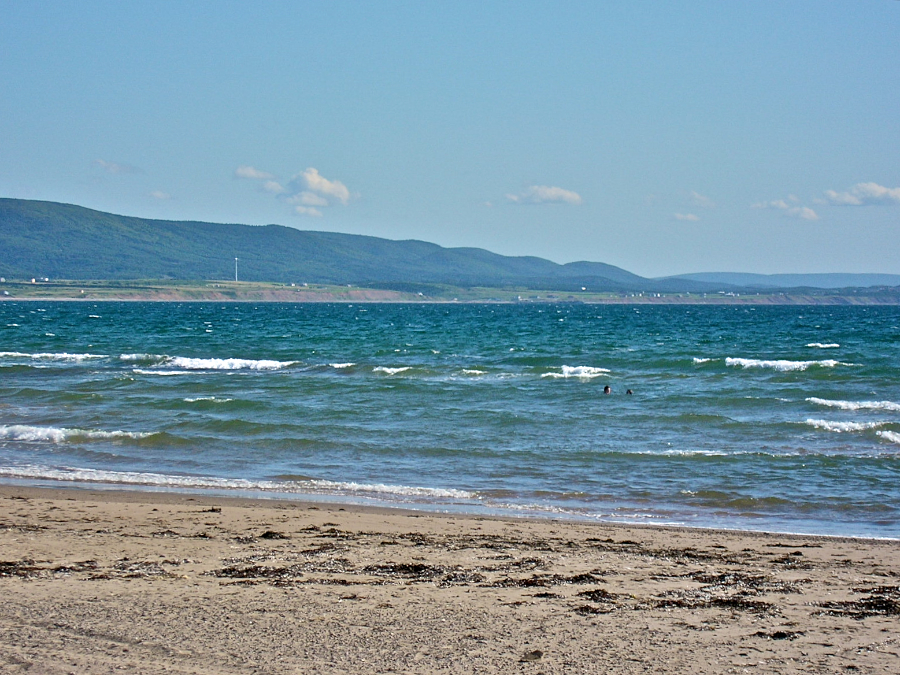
point(253, 291)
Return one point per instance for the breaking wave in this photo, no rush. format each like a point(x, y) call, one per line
point(226, 364)
point(23, 432)
point(75, 474)
point(891, 436)
point(856, 405)
point(48, 356)
point(782, 364)
point(582, 372)
point(841, 427)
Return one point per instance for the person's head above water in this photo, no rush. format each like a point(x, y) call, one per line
point(607, 390)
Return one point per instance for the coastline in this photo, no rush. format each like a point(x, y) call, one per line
point(273, 292)
point(153, 582)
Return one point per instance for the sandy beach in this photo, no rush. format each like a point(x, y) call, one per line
point(97, 582)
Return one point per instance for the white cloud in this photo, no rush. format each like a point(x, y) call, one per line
point(251, 173)
point(307, 191)
point(776, 204)
point(314, 181)
point(273, 187)
point(545, 194)
point(160, 195)
point(862, 194)
point(802, 212)
point(307, 198)
point(701, 200)
point(115, 167)
point(687, 216)
point(307, 211)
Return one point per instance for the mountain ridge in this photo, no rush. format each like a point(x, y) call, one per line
point(67, 241)
point(50, 239)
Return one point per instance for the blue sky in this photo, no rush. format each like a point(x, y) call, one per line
point(663, 137)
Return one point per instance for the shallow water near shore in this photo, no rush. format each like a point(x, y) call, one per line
point(765, 418)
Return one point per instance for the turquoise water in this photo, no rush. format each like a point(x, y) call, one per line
point(766, 418)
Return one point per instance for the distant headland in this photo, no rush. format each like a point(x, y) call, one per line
point(59, 251)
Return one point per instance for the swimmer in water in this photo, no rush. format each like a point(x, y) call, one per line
point(607, 390)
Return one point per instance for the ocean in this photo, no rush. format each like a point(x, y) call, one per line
point(767, 418)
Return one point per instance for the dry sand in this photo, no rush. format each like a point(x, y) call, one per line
point(98, 582)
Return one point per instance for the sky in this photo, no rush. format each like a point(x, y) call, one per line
point(662, 137)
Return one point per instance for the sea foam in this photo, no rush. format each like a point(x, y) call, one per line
point(841, 427)
point(390, 371)
point(582, 372)
point(782, 364)
point(823, 345)
point(891, 436)
point(226, 364)
point(856, 405)
point(23, 432)
point(295, 487)
point(48, 356)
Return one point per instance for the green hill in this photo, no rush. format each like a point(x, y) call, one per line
point(63, 241)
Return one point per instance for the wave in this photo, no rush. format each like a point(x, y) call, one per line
point(24, 432)
point(390, 371)
point(841, 427)
point(856, 405)
point(399, 490)
point(190, 364)
point(782, 364)
point(157, 358)
point(82, 475)
point(825, 345)
point(341, 366)
point(473, 371)
point(142, 371)
point(48, 356)
point(698, 360)
point(581, 372)
point(891, 436)
point(207, 398)
point(226, 364)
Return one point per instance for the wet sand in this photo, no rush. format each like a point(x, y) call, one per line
point(101, 582)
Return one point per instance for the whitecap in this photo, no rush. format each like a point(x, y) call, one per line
point(164, 480)
point(891, 436)
point(53, 356)
point(582, 372)
point(823, 345)
point(841, 427)
point(782, 364)
point(132, 478)
point(698, 360)
point(207, 398)
point(390, 371)
point(473, 371)
point(143, 371)
point(141, 357)
point(340, 366)
point(226, 364)
point(856, 405)
point(24, 432)
point(399, 490)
